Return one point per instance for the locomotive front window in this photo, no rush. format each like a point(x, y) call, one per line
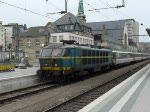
point(46, 52)
point(57, 52)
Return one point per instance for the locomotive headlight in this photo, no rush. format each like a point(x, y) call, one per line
point(45, 64)
point(56, 65)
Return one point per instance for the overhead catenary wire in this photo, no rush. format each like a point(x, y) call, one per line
point(96, 10)
point(52, 5)
point(107, 4)
point(26, 10)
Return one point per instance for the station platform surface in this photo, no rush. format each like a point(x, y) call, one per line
point(132, 95)
point(18, 73)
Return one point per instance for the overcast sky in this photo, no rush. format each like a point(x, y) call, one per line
point(134, 9)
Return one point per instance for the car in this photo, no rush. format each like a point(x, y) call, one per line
point(22, 66)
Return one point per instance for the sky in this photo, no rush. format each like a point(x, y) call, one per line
point(134, 9)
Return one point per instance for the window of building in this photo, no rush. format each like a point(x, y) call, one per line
point(28, 42)
point(66, 27)
point(76, 39)
point(37, 54)
point(61, 37)
point(54, 38)
point(71, 27)
point(60, 27)
point(20, 42)
point(80, 40)
point(70, 37)
point(37, 42)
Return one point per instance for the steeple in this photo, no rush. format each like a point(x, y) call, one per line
point(80, 14)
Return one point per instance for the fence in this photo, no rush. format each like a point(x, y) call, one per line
point(6, 63)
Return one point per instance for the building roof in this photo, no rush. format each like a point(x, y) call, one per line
point(67, 19)
point(37, 31)
point(148, 31)
point(109, 25)
point(113, 29)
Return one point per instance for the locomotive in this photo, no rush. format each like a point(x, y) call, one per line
point(63, 61)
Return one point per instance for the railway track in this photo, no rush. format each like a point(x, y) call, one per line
point(8, 97)
point(79, 101)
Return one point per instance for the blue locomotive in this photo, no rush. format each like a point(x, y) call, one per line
point(64, 61)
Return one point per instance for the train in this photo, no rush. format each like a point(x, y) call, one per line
point(64, 61)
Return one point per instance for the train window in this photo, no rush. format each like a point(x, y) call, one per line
point(106, 56)
point(84, 60)
point(46, 52)
point(57, 52)
point(101, 57)
point(103, 54)
point(114, 55)
point(80, 52)
point(89, 57)
point(93, 57)
point(67, 52)
point(97, 57)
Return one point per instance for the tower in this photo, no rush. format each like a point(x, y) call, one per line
point(80, 14)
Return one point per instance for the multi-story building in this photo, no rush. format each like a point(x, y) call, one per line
point(6, 34)
point(31, 42)
point(112, 34)
point(133, 30)
point(2, 37)
point(120, 34)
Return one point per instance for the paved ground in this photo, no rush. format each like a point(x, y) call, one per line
point(37, 103)
point(132, 95)
point(19, 73)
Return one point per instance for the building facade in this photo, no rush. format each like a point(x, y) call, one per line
point(112, 34)
point(2, 38)
point(133, 30)
point(120, 34)
point(31, 42)
point(57, 37)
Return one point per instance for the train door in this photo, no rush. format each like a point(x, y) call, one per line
point(72, 58)
point(114, 58)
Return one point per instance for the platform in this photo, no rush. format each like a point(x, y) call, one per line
point(17, 79)
point(132, 95)
point(18, 73)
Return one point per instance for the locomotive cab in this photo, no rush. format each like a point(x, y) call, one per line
point(54, 62)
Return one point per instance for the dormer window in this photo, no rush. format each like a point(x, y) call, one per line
point(71, 27)
point(60, 27)
point(66, 27)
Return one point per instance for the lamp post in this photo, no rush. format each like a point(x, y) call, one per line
point(5, 40)
point(66, 5)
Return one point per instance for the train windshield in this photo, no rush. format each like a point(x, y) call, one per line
point(57, 52)
point(46, 52)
